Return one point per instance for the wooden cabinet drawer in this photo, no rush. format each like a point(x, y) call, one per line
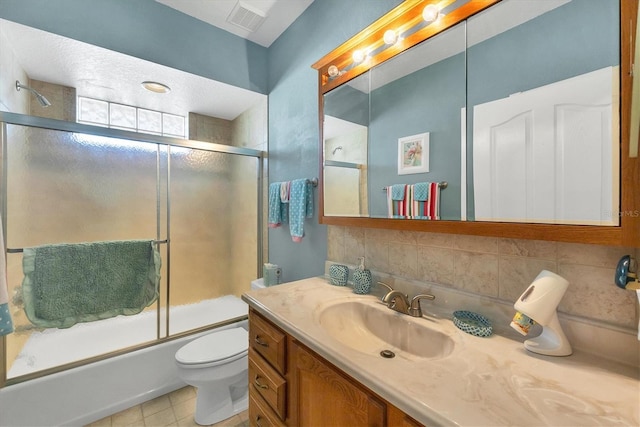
point(260, 415)
point(268, 384)
point(268, 341)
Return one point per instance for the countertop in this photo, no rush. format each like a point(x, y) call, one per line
point(490, 381)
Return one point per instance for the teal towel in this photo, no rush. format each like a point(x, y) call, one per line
point(397, 191)
point(421, 191)
point(278, 211)
point(66, 284)
point(6, 324)
point(300, 207)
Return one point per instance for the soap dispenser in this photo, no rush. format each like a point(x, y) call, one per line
point(361, 279)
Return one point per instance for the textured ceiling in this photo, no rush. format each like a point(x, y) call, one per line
point(104, 74)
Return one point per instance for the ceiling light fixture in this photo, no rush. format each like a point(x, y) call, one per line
point(156, 87)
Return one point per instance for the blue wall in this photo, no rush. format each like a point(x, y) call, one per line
point(293, 114)
point(152, 31)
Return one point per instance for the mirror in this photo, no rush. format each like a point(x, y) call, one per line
point(520, 108)
point(543, 112)
point(346, 133)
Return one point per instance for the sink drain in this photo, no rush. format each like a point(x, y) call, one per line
point(387, 354)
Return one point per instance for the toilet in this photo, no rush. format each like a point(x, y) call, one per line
point(217, 364)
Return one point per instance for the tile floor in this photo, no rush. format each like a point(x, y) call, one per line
point(173, 409)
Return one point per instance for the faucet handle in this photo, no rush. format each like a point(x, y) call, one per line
point(386, 286)
point(414, 309)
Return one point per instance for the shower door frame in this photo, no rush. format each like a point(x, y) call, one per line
point(7, 118)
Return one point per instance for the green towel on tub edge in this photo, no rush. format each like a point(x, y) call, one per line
point(65, 284)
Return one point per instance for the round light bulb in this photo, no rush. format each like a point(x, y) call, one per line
point(390, 37)
point(333, 71)
point(358, 56)
point(430, 13)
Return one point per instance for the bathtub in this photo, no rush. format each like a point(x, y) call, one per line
point(88, 393)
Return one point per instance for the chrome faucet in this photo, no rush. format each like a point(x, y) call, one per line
point(399, 302)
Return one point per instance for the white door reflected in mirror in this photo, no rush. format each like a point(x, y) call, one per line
point(546, 155)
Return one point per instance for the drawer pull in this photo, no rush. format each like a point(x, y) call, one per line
point(257, 383)
point(258, 421)
point(260, 342)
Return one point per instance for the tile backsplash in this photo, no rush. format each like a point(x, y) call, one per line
point(495, 267)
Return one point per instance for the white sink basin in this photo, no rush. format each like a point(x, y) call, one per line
point(371, 327)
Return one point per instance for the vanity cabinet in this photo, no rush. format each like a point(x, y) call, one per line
point(267, 373)
point(291, 385)
point(325, 396)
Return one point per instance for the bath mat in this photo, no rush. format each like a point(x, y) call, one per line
point(65, 284)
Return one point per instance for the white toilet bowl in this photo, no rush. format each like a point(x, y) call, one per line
point(217, 365)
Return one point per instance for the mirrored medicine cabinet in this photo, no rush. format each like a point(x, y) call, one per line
point(519, 111)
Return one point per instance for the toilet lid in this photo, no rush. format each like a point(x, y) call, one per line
point(214, 347)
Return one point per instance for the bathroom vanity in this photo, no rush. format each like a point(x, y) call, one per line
point(311, 360)
point(290, 384)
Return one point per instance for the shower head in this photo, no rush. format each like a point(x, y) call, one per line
point(41, 99)
point(339, 147)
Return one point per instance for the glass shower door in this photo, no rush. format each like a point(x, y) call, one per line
point(214, 223)
point(68, 187)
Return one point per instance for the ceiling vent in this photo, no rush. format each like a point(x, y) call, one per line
point(246, 17)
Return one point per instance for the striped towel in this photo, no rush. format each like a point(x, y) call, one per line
point(417, 201)
point(433, 204)
point(426, 201)
point(398, 201)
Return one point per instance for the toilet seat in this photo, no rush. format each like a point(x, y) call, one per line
point(215, 348)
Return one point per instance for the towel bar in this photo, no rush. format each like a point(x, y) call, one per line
point(20, 250)
point(313, 181)
point(441, 184)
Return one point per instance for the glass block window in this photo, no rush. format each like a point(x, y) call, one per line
point(172, 125)
point(93, 111)
point(149, 121)
point(120, 116)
